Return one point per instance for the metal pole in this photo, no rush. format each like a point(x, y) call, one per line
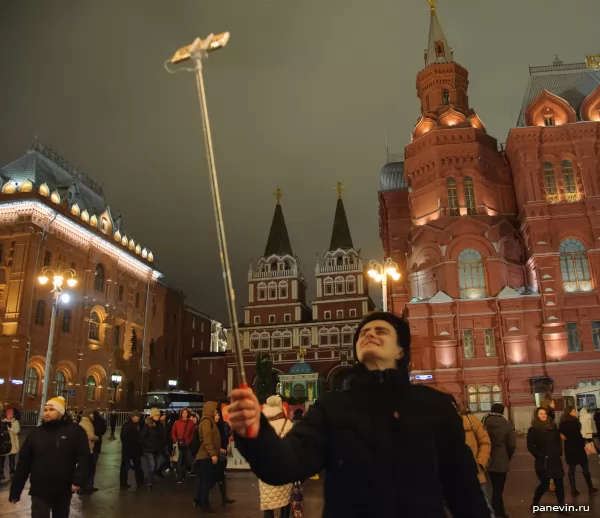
point(384, 290)
point(214, 185)
point(144, 338)
point(48, 366)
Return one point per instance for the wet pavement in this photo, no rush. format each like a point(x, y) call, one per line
point(171, 499)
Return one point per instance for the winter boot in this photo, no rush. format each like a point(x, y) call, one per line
point(574, 491)
point(223, 489)
point(588, 479)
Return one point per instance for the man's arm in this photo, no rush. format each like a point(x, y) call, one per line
point(458, 471)
point(23, 470)
point(296, 457)
point(511, 442)
point(82, 449)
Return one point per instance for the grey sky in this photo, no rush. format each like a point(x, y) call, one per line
point(300, 99)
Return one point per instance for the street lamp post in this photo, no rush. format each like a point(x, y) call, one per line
point(58, 280)
point(380, 273)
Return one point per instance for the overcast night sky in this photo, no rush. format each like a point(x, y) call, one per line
point(301, 98)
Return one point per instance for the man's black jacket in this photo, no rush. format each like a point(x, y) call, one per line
point(56, 455)
point(388, 448)
point(130, 439)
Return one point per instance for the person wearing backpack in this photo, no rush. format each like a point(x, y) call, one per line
point(208, 455)
point(504, 443)
point(9, 440)
point(479, 441)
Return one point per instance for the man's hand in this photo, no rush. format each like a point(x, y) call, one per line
point(74, 488)
point(224, 452)
point(244, 412)
point(214, 459)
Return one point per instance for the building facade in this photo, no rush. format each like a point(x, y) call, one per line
point(498, 247)
point(303, 342)
point(54, 220)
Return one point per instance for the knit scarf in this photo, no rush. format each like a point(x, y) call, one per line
point(548, 424)
point(281, 415)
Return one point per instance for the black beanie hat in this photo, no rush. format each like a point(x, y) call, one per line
point(402, 331)
point(498, 408)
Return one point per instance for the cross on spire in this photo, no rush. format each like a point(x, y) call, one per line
point(339, 187)
point(431, 5)
point(278, 195)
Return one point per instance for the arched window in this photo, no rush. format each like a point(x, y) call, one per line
point(99, 278)
point(323, 336)
point(445, 96)
point(276, 340)
point(351, 284)
point(286, 338)
point(272, 290)
point(439, 49)
point(569, 181)
point(265, 340)
point(31, 383)
point(134, 341)
point(469, 196)
point(59, 383)
point(347, 335)
point(299, 391)
point(452, 197)
point(340, 285)
point(550, 182)
point(262, 291)
point(40, 310)
point(574, 266)
point(90, 393)
point(283, 290)
point(254, 341)
point(305, 338)
point(328, 286)
point(94, 331)
point(334, 336)
point(471, 274)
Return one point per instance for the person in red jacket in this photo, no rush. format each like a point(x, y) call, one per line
point(182, 434)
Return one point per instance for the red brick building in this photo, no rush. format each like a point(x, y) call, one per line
point(279, 321)
point(498, 249)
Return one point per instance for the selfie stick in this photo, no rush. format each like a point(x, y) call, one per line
point(197, 52)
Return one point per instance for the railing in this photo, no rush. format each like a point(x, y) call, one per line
point(276, 273)
point(342, 268)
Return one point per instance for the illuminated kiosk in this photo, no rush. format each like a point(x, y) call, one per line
point(301, 384)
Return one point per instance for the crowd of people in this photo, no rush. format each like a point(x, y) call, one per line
point(388, 447)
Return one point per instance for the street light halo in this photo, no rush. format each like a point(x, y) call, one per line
point(65, 298)
point(72, 282)
point(373, 273)
point(42, 279)
point(58, 280)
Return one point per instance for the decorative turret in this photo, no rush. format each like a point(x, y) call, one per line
point(340, 236)
point(278, 242)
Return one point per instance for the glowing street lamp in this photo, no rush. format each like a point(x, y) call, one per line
point(380, 272)
point(58, 279)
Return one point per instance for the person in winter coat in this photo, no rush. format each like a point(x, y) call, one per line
point(388, 448)
point(544, 443)
point(87, 424)
point(587, 424)
point(182, 434)
point(55, 456)
point(113, 423)
point(13, 429)
point(549, 404)
point(208, 455)
point(504, 443)
point(131, 452)
point(225, 433)
point(575, 454)
point(478, 440)
point(151, 439)
point(276, 497)
point(99, 430)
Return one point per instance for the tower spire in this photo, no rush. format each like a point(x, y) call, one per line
point(278, 242)
point(438, 50)
point(340, 235)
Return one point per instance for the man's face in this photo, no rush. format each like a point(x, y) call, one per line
point(50, 414)
point(377, 346)
point(135, 419)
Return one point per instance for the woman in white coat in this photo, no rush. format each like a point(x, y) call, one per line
point(276, 497)
point(13, 429)
point(587, 424)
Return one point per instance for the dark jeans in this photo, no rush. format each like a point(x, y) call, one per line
point(207, 474)
point(126, 459)
point(498, 480)
point(185, 457)
point(11, 464)
point(40, 508)
point(284, 513)
point(90, 483)
point(543, 487)
point(112, 429)
point(585, 468)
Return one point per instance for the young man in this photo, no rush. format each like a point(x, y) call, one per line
point(57, 456)
point(389, 448)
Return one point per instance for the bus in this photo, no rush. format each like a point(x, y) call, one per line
point(585, 395)
point(173, 400)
